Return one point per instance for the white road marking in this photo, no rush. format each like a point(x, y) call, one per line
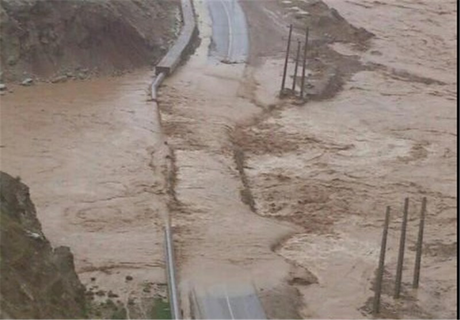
point(230, 31)
point(228, 303)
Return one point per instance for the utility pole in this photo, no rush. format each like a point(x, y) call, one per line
point(381, 269)
point(286, 61)
point(296, 65)
point(302, 85)
point(418, 257)
point(402, 243)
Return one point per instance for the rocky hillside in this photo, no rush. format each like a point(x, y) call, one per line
point(48, 38)
point(37, 281)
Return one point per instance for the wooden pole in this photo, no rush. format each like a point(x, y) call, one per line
point(286, 61)
point(378, 281)
point(296, 66)
point(402, 244)
point(418, 257)
point(302, 85)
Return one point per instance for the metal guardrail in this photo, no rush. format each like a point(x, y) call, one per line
point(171, 273)
point(169, 248)
point(155, 84)
point(164, 68)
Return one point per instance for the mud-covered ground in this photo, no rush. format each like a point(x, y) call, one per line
point(379, 126)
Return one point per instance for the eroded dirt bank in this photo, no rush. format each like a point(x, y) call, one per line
point(74, 39)
point(332, 166)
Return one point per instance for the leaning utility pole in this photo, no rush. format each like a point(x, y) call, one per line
point(418, 257)
point(286, 61)
point(381, 268)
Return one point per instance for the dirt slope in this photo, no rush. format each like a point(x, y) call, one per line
point(37, 281)
point(51, 38)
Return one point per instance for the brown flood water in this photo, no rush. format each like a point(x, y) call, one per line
point(86, 150)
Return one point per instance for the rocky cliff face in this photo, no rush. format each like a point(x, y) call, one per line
point(37, 281)
point(47, 38)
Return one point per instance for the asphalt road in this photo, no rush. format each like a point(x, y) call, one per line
point(229, 45)
point(227, 302)
point(229, 31)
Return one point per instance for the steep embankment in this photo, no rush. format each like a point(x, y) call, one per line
point(54, 38)
point(37, 281)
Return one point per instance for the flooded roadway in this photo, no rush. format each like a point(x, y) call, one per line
point(380, 128)
point(219, 240)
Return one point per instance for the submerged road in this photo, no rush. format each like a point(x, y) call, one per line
point(225, 302)
point(229, 45)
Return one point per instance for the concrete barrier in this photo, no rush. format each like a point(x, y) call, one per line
point(171, 60)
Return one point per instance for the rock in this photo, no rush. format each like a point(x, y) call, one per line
point(34, 235)
point(100, 293)
point(11, 61)
point(2, 87)
point(44, 40)
point(59, 79)
point(46, 281)
point(27, 82)
point(129, 278)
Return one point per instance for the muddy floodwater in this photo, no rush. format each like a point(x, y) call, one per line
point(86, 149)
point(286, 196)
point(332, 166)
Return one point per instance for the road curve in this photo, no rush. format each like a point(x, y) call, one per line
point(229, 31)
